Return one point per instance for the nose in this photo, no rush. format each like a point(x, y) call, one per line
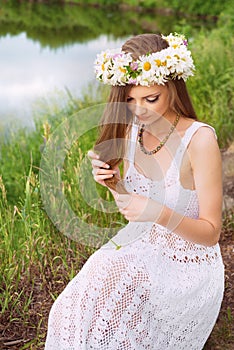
point(138, 109)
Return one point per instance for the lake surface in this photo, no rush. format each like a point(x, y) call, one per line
point(29, 71)
point(45, 48)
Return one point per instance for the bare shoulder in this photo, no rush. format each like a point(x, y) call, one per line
point(204, 138)
point(205, 130)
point(204, 146)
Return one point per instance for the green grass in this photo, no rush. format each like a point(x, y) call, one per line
point(37, 260)
point(213, 85)
point(198, 7)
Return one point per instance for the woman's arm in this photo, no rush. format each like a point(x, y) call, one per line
point(207, 171)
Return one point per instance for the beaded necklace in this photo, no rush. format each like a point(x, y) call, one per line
point(162, 143)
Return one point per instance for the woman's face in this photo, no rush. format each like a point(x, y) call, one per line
point(149, 103)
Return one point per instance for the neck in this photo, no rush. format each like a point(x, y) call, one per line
point(162, 124)
point(162, 142)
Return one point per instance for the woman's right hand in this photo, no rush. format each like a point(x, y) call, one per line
point(101, 170)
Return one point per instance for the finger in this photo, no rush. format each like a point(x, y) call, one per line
point(102, 177)
point(101, 171)
point(123, 200)
point(131, 217)
point(99, 164)
point(128, 216)
point(126, 213)
point(123, 197)
point(92, 155)
point(95, 160)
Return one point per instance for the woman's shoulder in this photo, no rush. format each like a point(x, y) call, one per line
point(203, 140)
point(198, 137)
point(189, 123)
point(203, 132)
point(194, 129)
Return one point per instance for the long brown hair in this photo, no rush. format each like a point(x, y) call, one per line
point(116, 118)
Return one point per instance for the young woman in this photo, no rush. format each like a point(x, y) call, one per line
point(162, 289)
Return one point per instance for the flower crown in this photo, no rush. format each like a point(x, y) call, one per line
point(115, 67)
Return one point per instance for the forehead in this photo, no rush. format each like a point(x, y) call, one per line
point(142, 91)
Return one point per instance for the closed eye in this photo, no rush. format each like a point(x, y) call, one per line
point(152, 100)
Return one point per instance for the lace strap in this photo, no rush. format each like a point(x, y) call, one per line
point(187, 138)
point(192, 129)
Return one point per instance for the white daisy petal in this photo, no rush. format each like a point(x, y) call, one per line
point(115, 67)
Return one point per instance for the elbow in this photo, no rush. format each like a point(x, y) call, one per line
point(214, 239)
point(212, 243)
point(213, 232)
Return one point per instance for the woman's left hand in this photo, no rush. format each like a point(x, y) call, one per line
point(135, 207)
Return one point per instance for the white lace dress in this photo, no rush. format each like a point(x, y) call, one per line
point(156, 292)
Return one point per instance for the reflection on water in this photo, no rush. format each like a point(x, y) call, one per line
point(29, 71)
point(45, 47)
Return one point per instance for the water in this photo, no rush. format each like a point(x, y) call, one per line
point(29, 71)
point(46, 47)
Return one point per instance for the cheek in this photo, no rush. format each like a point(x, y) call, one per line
point(158, 108)
point(162, 106)
point(130, 107)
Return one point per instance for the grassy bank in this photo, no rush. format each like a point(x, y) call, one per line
point(198, 7)
point(212, 87)
point(193, 7)
point(60, 24)
point(37, 260)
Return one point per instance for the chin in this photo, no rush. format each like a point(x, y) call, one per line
point(150, 119)
point(146, 121)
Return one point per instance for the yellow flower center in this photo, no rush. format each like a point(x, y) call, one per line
point(146, 66)
point(158, 62)
point(103, 67)
point(175, 46)
point(122, 70)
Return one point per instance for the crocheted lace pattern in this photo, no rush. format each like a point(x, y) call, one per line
point(156, 292)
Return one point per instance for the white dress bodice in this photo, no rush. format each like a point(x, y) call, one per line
point(171, 193)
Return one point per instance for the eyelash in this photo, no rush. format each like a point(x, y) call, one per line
point(149, 101)
point(154, 100)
